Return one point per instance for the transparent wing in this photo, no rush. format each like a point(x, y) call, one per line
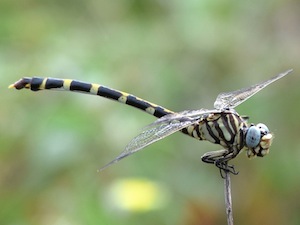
point(160, 129)
point(232, 99)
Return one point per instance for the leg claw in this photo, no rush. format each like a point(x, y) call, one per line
point(225, 168)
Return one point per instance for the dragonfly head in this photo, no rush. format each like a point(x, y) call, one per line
point(258, 140)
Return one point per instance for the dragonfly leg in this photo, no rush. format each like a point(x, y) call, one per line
point(213, 156)
point(226, 168)
point(220, 159)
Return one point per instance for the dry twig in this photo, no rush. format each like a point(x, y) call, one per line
point(227, 192)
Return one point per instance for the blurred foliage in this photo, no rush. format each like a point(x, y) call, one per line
point(179, 54)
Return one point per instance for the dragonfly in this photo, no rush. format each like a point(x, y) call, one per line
point(222, 125)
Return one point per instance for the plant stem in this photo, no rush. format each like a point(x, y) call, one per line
point(228, 202)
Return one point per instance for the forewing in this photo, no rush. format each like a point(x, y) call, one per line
point(161, 128)
point(232, 99)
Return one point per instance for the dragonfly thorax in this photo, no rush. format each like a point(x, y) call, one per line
point(231, 131)
point(225, 128)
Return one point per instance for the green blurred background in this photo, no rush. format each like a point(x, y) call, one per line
point(179, 54)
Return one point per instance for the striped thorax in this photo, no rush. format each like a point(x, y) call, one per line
point(223, 128)
point(231, 131)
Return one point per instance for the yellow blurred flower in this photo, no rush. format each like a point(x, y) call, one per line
point(138, 195)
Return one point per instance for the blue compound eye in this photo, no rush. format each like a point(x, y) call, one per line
point(253, 136)
point(263, 128)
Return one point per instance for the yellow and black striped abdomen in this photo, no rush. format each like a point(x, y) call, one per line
point(37, 84)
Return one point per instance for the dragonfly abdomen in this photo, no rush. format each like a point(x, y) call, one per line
point(37, 84)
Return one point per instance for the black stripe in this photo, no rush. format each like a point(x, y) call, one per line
point(109, 93)
point(133, 101)
point(54, 83)
point(198, 131)
point(160, 112)
point(220, 132)
point(36, 83)
point(143, 105)
point(225, 119)
point(185, 131)
point(242, 135)
point(80, 86)
point(232, 122)
point(217, 140)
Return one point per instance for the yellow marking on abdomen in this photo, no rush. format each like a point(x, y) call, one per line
point(150, 110)
point(95, 88)
point(67, 84)
point(43, 84)
point(123, 99)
